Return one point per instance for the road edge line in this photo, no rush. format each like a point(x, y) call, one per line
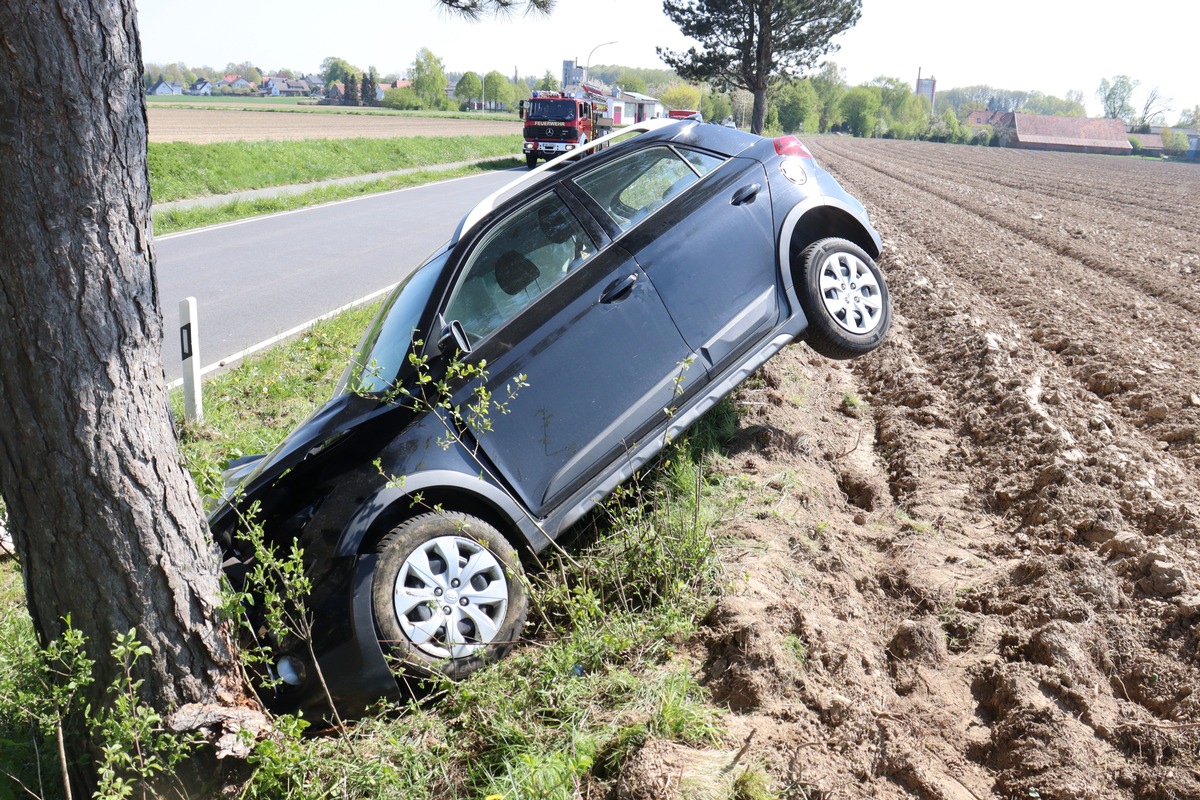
point(288, 334)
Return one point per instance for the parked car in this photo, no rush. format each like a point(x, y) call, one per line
point(655, 274)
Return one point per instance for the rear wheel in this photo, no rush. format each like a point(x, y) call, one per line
point(448, 594)
point(845, 297)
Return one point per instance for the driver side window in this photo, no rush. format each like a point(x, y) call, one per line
point(520, 259)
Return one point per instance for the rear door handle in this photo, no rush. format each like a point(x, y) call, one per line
point(618, 289)
point(746, 194)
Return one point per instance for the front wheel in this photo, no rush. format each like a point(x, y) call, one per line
point(845, 297)
point(448, 594)
point(530, 160)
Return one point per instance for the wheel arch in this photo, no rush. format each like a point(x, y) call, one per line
point(821, 218)
point(451, 491)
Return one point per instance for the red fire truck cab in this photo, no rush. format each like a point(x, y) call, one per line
point(556, 123)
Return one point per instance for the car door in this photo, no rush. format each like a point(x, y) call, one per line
point(701, 227)
point(541, 297)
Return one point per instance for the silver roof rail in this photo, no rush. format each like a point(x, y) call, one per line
point(487, 204)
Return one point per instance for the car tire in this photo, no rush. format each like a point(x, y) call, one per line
point(531, 161)
point(449, 594)
point(845, 297)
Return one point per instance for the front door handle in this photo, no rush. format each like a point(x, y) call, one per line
point(618, 289)
point(746, 194)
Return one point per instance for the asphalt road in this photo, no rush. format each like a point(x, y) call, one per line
point(255, 279)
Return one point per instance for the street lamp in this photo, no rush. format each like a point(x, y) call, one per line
point(589, 58)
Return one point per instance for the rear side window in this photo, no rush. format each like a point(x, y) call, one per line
point(633, 187)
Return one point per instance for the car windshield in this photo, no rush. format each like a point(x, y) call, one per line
point(543, 110)
point(385, 346)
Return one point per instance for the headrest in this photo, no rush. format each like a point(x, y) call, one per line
point(555, 223)
point(514, 272)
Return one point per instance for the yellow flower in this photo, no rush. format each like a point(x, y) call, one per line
point(494, 797)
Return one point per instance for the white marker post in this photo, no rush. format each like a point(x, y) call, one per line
point(189, 343)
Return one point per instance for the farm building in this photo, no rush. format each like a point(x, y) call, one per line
point(1068, 134)
point(997, 119)
point(162, 87)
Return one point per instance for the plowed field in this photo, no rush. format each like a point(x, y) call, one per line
point(970, 562)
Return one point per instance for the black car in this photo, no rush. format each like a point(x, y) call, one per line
point(613, 299)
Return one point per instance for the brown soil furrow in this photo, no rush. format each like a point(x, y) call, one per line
point(982, 582)
point(1126, 183)
point(985, 175)
point(1150, 379)
point(1104, 241)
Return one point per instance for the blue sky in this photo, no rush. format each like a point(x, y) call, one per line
point(1049, 45)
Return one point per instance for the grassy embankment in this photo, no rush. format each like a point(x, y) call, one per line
point(601, 671)
point(180, 170)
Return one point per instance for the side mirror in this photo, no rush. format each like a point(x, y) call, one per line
point(453, 335)
point(521, 109)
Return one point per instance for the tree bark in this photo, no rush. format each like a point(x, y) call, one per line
point(107, 523)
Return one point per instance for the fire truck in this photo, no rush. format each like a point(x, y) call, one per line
point(557, 123)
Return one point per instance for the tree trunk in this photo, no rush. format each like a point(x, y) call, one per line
point(758, 117)
point(107, 522)
point(757, 80)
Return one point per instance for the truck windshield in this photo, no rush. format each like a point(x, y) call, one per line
point(542, 110)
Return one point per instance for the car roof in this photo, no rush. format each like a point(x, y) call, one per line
point(728, 141)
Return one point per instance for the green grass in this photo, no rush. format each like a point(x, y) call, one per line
point(603, 673)
point(297, 105)
point(172, 220)
point(251, 408)
point(179, 170)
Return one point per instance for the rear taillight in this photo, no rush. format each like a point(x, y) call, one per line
point(791, 146)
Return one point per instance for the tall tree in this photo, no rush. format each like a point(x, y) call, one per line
point(337, 70)
point(350, 94)
point(367, 90)
point(107, 523)
point(830, 85)
point(752, 43)
point(497, 89)
point(428, 77)
point(1115, 97)
point(1154, 110)
point(798, 107)
point(860, 109)
point(468, 88)
point(549, 82)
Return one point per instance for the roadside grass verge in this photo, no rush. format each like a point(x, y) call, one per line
point(181, 170)
point(602, 671)
point(295, 105)
point(173, 220)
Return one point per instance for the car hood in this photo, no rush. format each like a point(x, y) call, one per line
point(327, 426)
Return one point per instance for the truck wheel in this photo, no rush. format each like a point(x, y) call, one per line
point(530, 160)
point(845, 297)
point(448, 593)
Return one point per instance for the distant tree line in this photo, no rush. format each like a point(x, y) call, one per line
point(823, 101)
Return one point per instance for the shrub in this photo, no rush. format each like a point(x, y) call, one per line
point(405, 99)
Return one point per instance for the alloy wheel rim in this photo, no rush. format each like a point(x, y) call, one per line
point(450, 597)
point(851, 293)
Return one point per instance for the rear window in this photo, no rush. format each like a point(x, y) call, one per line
point(633, 187)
